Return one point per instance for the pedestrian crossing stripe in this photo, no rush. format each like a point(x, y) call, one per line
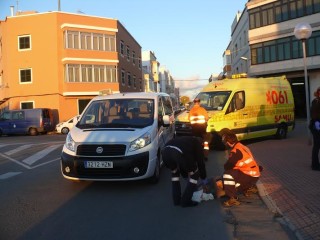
point(35, 157)
point(8, 175)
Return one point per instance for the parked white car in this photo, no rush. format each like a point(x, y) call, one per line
point(65, 127)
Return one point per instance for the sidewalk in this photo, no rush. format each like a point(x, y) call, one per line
point(288, 186)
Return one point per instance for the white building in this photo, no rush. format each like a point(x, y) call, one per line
point(150, 68)
point(263, 44)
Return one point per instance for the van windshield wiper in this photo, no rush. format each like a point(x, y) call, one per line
point(87, 125)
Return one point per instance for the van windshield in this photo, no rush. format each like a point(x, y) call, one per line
point(213, 100)
point(118, 113)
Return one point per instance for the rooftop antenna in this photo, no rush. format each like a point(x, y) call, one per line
point(80, 12)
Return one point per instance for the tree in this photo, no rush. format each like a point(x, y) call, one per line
point(184, 99)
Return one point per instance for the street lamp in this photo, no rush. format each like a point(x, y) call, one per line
point(303, 31)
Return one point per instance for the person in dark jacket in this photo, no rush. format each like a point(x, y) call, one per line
point(184, 156)
point(314, 127)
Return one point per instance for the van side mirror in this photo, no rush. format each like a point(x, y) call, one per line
point(166, 120)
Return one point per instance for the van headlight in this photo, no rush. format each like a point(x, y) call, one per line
point(70, 144)
point(140, 142)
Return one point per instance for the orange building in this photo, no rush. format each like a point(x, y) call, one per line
point(61, 61)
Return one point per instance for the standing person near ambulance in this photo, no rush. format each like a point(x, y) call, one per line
point(314, 127)
point(241, 170)
point(184, 156)
point(198, 117)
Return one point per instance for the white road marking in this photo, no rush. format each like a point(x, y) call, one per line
point(35, 157)
point(16, 161)
point(3, 145)
point(18, 149)
point(8, 175)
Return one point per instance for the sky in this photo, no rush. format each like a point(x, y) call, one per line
point(188, 37)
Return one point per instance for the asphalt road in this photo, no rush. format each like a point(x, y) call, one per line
point(38, 203)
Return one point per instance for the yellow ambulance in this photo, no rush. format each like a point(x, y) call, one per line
point(251, 107)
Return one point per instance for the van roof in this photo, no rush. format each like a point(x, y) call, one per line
point(241, 83)
point(140, 95)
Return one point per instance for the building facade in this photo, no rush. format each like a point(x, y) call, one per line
point(263, 44)
point(62, 60)
point(150, 67)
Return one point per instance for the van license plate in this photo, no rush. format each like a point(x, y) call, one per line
point(98, 164)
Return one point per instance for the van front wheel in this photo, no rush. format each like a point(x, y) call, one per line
point(282, 132)
point(33, 131)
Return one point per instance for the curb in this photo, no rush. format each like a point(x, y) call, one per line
point(278, 215)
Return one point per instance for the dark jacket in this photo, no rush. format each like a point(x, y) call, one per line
point(314, 112)
point(192, 152)
point(315, 109)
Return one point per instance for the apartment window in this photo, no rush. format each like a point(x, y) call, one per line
point(129, 79)
point(98, 72)
point(97, 40)
point(111, 73)
point(134, 81)
point(140, 87)
point(85, 41)
point(89, 41)
point(90, 73)
point(139, 62)
point(25, 76)
point(313, 44)
point(26, 105)
point(24, 42)
point(86, 73)
point(284, 49)
point(267, 15)
point(282, 10)
point(128, 53)
point(122, 48)
point(134, 57)
point(296, 49)
point(73, 39)
point(110, 43)
point(316, 6)
point(123, 78)
point(73, 73)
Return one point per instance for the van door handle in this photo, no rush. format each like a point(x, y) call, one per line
point(245, 114)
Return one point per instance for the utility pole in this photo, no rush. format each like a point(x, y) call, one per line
point(59, 8)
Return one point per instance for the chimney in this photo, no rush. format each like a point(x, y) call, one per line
point(12, 8)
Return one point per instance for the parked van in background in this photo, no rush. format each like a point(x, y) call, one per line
point(119, 137)
point(26, 121)
point(251, 107)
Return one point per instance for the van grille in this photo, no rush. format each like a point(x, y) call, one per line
point(107, 150)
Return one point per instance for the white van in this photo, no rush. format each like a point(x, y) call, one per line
point(119, 137)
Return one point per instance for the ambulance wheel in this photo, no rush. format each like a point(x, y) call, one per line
point(282, 132)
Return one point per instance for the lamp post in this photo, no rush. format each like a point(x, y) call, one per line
point(303, 31)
